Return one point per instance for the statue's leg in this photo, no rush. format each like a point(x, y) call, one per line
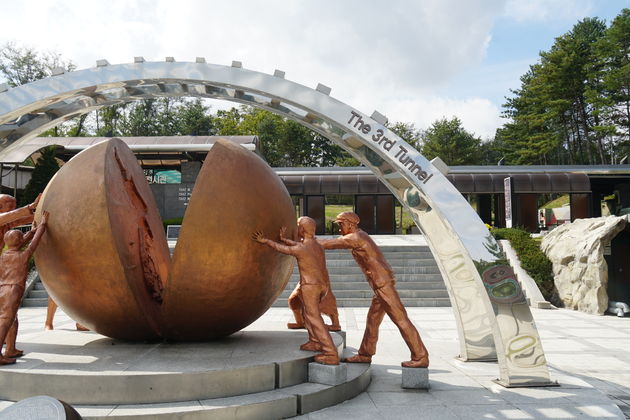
point(295, 304)
point(312, 344)
point(328, 306)
point(370, 335)
point(311, 297)
point(50, 314)
point(10, 297)
point(398, 314)
point(11, 351)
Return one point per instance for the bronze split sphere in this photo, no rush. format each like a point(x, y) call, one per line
point(105, 259)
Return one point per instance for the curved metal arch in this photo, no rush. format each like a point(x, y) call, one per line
point(492, 316)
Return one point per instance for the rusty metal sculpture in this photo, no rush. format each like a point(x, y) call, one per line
point(380, 276)
point(106, 261)
point(314, 285)
point(13, 272)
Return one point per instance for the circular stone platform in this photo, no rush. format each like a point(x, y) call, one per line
point(250, 374)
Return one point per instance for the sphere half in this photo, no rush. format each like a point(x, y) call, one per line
point(105, 259)
point(221, 280)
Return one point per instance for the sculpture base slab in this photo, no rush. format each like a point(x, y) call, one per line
point(415, 378)
point(327, 374)
point(250, 374)
point(525, 384)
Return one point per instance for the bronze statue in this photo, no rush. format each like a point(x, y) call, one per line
point(10, 217)
point(50, 316)
point(314, 285)
point(13, 272)
point(380, 276)
point(328, 307)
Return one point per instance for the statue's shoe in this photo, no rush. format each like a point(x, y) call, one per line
point(311, 346)
point(421, 363)
point(358, 358)
point(327, 359)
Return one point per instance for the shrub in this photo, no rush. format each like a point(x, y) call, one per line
point(533, 260)
point(173, 221)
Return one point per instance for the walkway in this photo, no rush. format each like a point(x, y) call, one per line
point(588, 356)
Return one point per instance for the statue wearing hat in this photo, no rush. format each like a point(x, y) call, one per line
point(386, 300)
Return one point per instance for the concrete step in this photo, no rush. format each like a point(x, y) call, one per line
point(333, 271)
point(359, 277)
point(277, 404)
point(342, 255)
point(419, 294)
point(35, 302)
point(339, 287)
point(364, 302)
point(394, 263)
point(37, 293)
point(39, 286)
point(249, 375)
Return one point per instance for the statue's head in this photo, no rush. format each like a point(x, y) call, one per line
point(13, 238)
point(306, 227)
point(348, 222)
point(7, 203)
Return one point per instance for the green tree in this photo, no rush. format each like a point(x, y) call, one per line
point(408, 132)
point(570, 105)
point(45, 168)
point(609, 85)
point(20, 65)
point(451, 142)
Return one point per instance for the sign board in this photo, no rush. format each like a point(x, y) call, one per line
point(507, 190)
point(172, 232)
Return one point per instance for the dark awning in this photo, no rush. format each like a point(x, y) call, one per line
point(522, 183)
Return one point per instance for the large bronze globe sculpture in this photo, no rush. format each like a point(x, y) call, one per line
point(105, 259)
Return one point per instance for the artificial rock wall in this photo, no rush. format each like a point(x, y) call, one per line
point(577, 252)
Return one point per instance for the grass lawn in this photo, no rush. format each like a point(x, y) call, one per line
point(332, 210)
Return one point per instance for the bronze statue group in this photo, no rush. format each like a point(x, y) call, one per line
point(312, 296)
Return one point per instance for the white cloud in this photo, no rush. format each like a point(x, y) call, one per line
point(392, 56)
point(478, 115)
point(543, 10)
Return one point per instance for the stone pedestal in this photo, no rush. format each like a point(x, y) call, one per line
point(327, 374)
point(342, 333)
point(415, 378)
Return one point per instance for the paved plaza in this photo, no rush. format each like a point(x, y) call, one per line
point(588, 356)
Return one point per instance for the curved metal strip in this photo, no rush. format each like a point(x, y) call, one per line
point(488, 302)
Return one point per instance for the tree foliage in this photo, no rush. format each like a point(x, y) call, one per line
point(573, 105)
point(20, 65)
point(451, 142)
point(45, 168)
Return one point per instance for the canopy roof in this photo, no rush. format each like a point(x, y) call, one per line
point(158, 151)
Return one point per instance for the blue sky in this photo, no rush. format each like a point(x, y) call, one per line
point(517, 40)
point(412, 60)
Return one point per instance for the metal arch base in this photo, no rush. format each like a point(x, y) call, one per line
point(493, 319)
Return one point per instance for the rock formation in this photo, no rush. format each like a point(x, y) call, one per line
point(577, 252)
